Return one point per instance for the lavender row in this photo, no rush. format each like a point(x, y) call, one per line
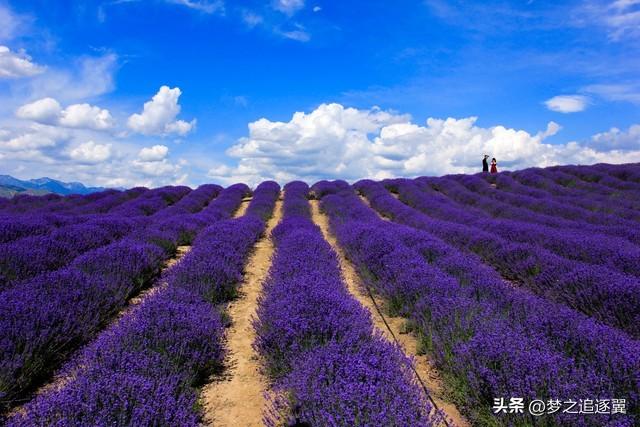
point(90, 203)
point(193, 202)
point(44, 319)
point(170, 231)
point(29, 256)
point(15, 226)
point(488, 339)
point(572, 243)
point(562, 188)
point(511, 199)
point(151, 201)
point(629, 172)
point(594, 175)
point(608, 296)
point(76, 202)
point(33, 255)
point(522, 195)
point(556, 212)
point(178, 224)
point(317, 341)
point(114, 200)
point(215, 277)
point(26, 204)
point(146, 369)
point(567, 188)
point(566, 184)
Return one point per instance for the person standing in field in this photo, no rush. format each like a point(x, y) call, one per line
point(494, 165)
point(485, 164)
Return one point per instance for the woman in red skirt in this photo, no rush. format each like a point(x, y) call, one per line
point(494, 165)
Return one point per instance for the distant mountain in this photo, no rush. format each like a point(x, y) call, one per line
point(9, 186)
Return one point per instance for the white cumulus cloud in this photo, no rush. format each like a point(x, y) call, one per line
point(35, 137)
point(153, 162)
point(162, 168)
point(159, 114)
point(567, 103)
point(86, 116)
point(338, 142)
point(90, 152)
point(14, 65)
point(84, 155)
point(81, 116)
point(616, 138)
point(45, 110)
point(153, 154)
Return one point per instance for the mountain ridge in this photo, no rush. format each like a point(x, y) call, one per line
point(10, 186)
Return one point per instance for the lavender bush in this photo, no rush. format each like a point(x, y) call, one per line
point(573, 243)
point(145, 369)
point(488, 338)
point(61, 310)
point(317, 341)
point(605, 294)
point(26, 257)
point(518, 284)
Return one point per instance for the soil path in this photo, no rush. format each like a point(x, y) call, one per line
point(366, 202)
point(59, 379)
point(237, 399)
point(181, 251)
point(396, 325)
point(242, 208)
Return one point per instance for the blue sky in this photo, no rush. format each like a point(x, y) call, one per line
point(285, 89)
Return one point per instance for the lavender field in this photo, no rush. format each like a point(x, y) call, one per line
point(509, 299)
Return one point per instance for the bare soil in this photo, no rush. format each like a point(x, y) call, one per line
point(366, 202)
point(396, 325)
point(181, 251)
point(242, 209)
point(237, 398)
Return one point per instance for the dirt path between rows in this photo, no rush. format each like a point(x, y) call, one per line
point(366, 202)
point(426, 371)
point(60, 380)
point(237, 399)
point(161, 283)
point(242, 208)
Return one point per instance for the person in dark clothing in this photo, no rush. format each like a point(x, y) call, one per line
point(485, 165)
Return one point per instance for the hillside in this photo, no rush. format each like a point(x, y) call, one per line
point(488, 299)
point(10, 186)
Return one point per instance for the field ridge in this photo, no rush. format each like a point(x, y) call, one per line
point(236, 398)
point(392, 328)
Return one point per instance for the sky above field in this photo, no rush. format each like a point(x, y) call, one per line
point(155, 92)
